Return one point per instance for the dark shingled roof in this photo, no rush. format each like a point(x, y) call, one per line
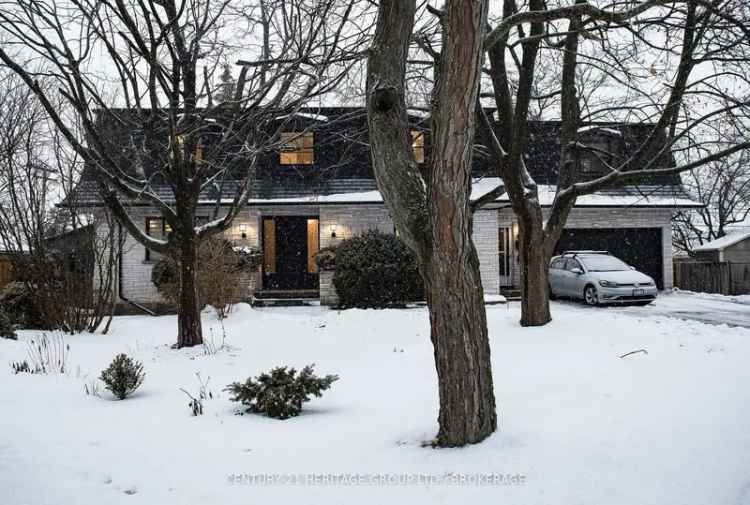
point(342, 157)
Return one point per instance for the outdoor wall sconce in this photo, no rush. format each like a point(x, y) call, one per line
point(243, 231)
point(333, 231)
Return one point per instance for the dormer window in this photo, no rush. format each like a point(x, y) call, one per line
point(417, 145)
point(297, 148)
point(587, 164)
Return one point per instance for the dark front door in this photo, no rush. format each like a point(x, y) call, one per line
point(640, 247)
point(289, 247)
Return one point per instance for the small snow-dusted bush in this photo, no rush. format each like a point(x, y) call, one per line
point(375, 270)
point(123, 376)
point(21, 367)
point(280, 393)
point(248, 258)
point(212, 344)
point(326, 258)
point(204, 393)
point(91, 388)
point(7, 330)
point(48, 354)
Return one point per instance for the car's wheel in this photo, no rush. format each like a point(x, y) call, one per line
point(590, 295)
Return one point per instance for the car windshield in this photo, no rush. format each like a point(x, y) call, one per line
point(602, 263)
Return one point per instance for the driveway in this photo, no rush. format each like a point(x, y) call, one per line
point(706, 308)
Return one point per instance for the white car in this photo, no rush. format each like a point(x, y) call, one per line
point(597, 278)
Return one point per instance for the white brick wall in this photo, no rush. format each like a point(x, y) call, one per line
point(347, 221)
point(485, 238)
point(136, 282)
point(350, 220)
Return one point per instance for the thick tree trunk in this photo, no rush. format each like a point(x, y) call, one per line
point(534, 256)
point(190, 331)
point(430, 204)
point(461, 347)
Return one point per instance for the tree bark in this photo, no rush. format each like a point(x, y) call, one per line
point(534, 256)
point(430, 205)
point(189, 328)
point(458, 330)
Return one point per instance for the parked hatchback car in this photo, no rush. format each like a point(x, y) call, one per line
point(597, 278)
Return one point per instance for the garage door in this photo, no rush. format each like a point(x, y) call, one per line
point(640, 247)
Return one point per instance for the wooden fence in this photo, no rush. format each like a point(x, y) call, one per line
point(721, 278)
point(6, 271)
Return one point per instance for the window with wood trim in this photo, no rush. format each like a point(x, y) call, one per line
point(158, 228)
point(269, 245)
point(417, 145)
point(313, 244)
point(297, 148)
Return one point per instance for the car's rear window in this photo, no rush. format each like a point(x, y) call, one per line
point(603, 263)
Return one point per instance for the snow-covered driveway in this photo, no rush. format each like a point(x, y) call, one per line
point(706, 308)
point(578, 424)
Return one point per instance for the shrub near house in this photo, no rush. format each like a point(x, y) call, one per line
point(376, 270)
point(219, 280)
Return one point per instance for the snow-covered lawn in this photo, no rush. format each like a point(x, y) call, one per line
point(578, 424)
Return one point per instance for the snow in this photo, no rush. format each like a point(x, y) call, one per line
point(577, 423)
point(646, 197)
point(741, 299)
point(590, 128)
point(490, 299)
point(314, 117)
point(722, 243)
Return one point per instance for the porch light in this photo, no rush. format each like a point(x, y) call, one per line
point(333, 231)
point(515, 230)
point(243, 231)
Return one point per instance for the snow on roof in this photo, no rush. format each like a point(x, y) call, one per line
point(722, 243)
point(590, 128)
point(626, 197)
point(643, 196)
point(315, 117)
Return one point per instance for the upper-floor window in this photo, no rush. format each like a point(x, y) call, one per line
point(297, 148)
point(417, 145)
point(587, 164)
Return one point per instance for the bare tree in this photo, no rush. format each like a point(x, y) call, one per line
point(430, 204)
point(139, 76)
point(723, 187)
point(674, 64)
point(66, 269)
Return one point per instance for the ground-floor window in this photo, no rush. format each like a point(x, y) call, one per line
point(158, 227)
point(505, 253)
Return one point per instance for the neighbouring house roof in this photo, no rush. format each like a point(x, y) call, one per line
point(722, 243)
point(342, 172)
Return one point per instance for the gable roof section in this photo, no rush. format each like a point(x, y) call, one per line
point(722, 243)
point(343, 169)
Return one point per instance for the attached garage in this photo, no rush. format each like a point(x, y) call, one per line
point(639, 247)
